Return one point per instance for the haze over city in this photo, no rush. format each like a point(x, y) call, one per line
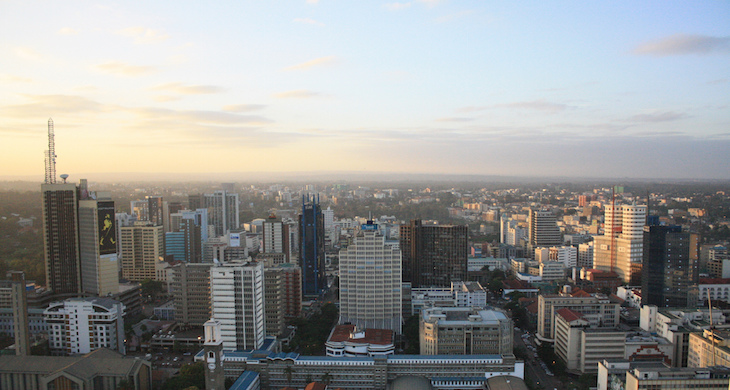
point(633, 90)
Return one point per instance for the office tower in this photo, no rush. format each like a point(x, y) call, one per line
point(175, 246)
point(200, 217)
point(602, 312)
point(169, 208)
point(81, 325)
point(155, 209)
point(433, 255)
point(311, 244)
point(98, 246)
point(544, 229)
point(196, 201)
point(13, 296)
point(141, 209)
point(670, 272)
point(620, 248)
point(465, 331)
point(371, 282)
point(283, 296)
point(142, 246)
point(276, 237)
point(237, 302)
point(222, 211)
point(60, 237)
point(184, 243)
point(190, 290)
point(585, 255)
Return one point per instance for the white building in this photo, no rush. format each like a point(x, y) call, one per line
point(237, 302)
point(370, 282)
point(346, 340)
point(81, 325)
point(552, 270)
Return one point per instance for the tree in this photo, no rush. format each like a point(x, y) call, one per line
point(326, 378)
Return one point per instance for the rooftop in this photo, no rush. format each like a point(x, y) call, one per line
point(348, 333)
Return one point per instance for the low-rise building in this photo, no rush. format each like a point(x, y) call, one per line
point(81, 325)
point(346, 340)
point(463, 330)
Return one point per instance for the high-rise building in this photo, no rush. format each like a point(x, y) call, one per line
point(620, 248)
point(60, 237)
point(544, 230)
point(155, 210)
point(311, 243)
point(190, 290)
point(141, 209)
point(98, 246)
point(433, 255)
point(283, 296)
point(670, 272)
point(237, 302)
point(276, 237)
point(13, 296)
point(142, 246)
point(222, 211)
point(81, 325)
point(371, 282)
point(585, 255)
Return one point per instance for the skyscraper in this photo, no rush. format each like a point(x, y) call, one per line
point(433, 255)
point(311, 241)
point(371, 282)
point(98, 246)
point(670, 269)
point(237, 302)
point(155, 209)
point(544, 231)
point(60, 237)
point(276, 237)
point(222, 211)
point(190, 290)
point(620, 248)
point(142, 246)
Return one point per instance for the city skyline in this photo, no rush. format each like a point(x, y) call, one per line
point(635, 90)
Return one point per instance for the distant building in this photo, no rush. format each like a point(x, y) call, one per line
point(282, 296)
point(620, 248)
point(465, 331)
point(13, 297)
point(98, 246)
point(543, 229)
point(81, 325)
point(670, 268)
point(190, 289)
point(222, 211)
point(602, 311)
point(311, 252)
point(60, 237)
point(433, 255)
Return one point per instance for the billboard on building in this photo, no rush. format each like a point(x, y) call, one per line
point(107, 231)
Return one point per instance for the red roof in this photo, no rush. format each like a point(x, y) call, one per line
point(343, 333)
point(579, 294)
point(515, 284)
point(569, 315)
point(533, 307)
point(316, 386)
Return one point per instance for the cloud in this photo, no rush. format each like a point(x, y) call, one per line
point(123, 69)
point(397, 6)
point(666, 116)
point(199, 116)
point(298, 94)
point(67, 31)
point(14, 79)
point(243, 107)
point(539, 105)
point(27, 53)
point(308, 21)
point(716, 82)
point(454, 119)
point(47, 105)
point(165, 98)
point(188, 89)
point(454, 16)
point(681, 44)
point(143, 35)
point(315, 62)
point(312, 1)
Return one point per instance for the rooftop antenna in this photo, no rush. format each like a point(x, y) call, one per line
point(51, 155)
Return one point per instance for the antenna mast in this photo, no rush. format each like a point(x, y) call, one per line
point(51, 155)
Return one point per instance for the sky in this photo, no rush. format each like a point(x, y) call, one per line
point(635, 89)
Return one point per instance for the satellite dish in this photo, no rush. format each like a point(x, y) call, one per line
point(64, 177)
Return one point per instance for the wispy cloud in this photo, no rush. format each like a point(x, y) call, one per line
point(143, 35)
point(243, 107)
point(716, 82)
point(27, 53)
point(14, 79)
point(296, 94)
point(681, 44)
point(123, 69)
point(538, 105)
point(312, 63)
point(165, 98)
point(454, 119)
point(666, 116)
point(308, 21)
point(397, 6)
point(47, 105)
point(67, 31)
point(312, 1)
point(181, 89)
point(454, 16)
